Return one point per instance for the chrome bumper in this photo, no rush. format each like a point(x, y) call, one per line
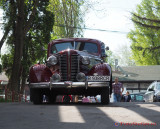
point(68, 84)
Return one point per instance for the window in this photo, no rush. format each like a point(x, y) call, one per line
point(81, 46)
point(158, 85)
point(152, 86)
point(61, 46)
point(139, 97)
point(84, 46)
point(103, 50)
point(132, 97)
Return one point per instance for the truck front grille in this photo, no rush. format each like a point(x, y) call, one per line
point(69, 67)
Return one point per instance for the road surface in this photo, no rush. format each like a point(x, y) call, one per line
point(80, 116)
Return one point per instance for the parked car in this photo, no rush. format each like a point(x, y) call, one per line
point(153, 92)
point(74, 66)
point(137, 97)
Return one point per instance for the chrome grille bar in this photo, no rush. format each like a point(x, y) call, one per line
point(70, 70)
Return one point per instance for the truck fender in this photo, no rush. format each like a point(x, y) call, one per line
point(39, 73)
point(101, 70)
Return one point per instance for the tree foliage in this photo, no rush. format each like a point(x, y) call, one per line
point(110, 58)
point(68, 18)
point(28, 25)
point(123, 54)
point(35, 23)
point(145, 37)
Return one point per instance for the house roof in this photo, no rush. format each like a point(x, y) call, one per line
point(138, 73)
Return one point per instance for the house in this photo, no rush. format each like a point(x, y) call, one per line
point(137, 78)
point(3, 80)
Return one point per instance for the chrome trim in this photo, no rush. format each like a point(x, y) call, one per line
point(39, 85)
point(79, 84)
point(59, 57)
point(78, 70)
point(68, 85)
point(69, 65)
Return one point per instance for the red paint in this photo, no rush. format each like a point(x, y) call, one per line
point(39, 73)
point(100, 69)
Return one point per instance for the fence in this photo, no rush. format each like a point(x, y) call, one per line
point(12, 96)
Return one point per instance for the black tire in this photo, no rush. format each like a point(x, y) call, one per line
point(36, 96)
point(31, 94)
point(66, 99)
point(105, 96)
point(52, 98)
point(154, 99)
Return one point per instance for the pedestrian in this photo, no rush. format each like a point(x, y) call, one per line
point(127, 97)
point(117, 90)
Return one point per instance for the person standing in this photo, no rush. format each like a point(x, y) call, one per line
point(117, 90)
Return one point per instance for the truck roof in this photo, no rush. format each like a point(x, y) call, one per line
point(76, 39)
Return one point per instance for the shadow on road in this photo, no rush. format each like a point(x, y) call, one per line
point(78, 115)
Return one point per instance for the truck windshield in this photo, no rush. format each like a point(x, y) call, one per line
point(158, 85)
point(81, 46)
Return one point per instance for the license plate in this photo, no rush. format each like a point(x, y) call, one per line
point(98, 78)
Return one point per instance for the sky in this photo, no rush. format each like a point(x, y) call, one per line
point(111, 15)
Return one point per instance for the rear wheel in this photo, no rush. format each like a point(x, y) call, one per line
point(105, 96)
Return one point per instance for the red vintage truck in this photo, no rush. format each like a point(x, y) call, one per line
point(74, 66)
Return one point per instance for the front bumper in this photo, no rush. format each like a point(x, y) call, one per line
point(68, 84)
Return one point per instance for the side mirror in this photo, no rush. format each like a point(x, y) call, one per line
point(107, 48)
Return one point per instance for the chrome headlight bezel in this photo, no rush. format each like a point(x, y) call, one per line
point(81, 77)
point(52, 60)
point(56, 78)
point(85, 60)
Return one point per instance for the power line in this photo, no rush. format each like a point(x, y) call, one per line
point(85, 28)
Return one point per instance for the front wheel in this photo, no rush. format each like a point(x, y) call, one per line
point(52, 97)
point(36, 96)
point(105, 96)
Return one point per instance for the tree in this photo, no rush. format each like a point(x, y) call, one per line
point(68, 18)
point(110, 59)
point(29, 31)
point(35, 22)
point(124, 56)
point(145, 37)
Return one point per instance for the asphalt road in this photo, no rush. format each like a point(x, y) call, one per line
point(80, 116)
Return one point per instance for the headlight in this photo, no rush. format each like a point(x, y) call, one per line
point(55, 78)
point(52, 60)
point(81, 77)
point(85, 60)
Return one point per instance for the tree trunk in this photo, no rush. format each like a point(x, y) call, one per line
point(14, 81)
